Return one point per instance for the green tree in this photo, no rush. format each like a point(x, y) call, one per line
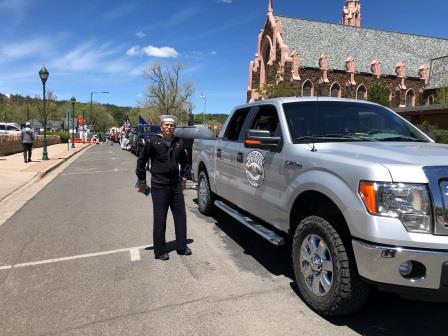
point(378, 93)
point(52, 109)
point(280, 89)
point(441, 96)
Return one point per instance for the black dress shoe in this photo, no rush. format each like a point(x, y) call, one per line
point(163, 256)
point(185, 251)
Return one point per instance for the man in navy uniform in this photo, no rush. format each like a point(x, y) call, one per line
point(169, 161)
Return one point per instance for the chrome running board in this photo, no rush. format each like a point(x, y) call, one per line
point(267, 234)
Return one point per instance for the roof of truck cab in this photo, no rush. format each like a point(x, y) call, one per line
point(283, 100)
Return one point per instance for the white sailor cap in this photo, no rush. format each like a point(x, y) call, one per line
point(168, 118)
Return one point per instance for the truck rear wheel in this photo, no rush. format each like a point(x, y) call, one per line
point(324, 269)
point(205, 195)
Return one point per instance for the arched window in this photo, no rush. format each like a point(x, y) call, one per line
point(266, 46)
point(307, 89)
point(361, 92)
point(266, 50)
point(389, 93)
point(430, 100)
point(410, 98)
point(335, 90)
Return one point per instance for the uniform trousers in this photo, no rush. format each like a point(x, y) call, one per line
point(27, 148)
point(164, 197)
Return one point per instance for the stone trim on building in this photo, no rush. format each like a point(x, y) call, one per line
point(274, 62)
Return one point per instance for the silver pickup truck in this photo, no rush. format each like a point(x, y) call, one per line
point(359, 192)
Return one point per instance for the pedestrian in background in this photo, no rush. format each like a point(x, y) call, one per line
point(169, 161)
point(27, 142)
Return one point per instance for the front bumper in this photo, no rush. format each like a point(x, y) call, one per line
point(382, 264)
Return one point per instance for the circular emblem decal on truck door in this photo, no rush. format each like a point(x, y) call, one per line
point(255, 168)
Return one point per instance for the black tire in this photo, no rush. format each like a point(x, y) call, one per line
point(327, 277)
point(205, 196)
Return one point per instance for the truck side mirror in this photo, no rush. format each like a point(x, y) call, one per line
point(262, 139)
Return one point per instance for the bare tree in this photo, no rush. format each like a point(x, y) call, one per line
point(165, 93)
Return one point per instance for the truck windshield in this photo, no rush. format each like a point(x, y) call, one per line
point(333, 121)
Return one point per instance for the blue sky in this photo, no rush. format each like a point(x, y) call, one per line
point(103, 45)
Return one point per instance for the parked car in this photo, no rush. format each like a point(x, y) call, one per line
point(359, 192)
point(6, 128)
point(133, 141)
point(145, 133)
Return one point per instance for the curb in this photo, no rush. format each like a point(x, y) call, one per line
point(42, 173)
point(39, 175)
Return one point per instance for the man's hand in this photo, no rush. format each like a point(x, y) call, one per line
point(184, 183)
point(141, 186)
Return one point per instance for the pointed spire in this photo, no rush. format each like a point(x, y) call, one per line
point(270, 10)
point(351, 13)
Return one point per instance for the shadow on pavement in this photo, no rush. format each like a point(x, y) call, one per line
point(384, 313)
point(389, 314)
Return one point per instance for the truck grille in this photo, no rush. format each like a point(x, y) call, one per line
point(438, 186)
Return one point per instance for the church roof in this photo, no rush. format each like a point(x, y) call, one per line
point(313, 38)
point(438, 76)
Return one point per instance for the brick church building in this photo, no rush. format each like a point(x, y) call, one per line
point(345, 60)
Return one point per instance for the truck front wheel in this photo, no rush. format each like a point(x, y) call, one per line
point(205, 195)
point(324, 270)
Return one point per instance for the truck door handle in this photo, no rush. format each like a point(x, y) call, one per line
point(218, 152)
point(239, 157)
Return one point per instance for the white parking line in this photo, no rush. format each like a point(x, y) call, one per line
point(96, 172)
point(135, 255)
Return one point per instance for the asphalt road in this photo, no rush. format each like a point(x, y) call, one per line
point(77, 260)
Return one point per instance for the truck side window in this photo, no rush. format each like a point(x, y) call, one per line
point(235, 125)
point(266, 119)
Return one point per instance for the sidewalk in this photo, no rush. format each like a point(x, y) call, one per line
point(15, 173)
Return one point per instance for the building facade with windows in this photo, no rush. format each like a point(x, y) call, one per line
point(317, 58)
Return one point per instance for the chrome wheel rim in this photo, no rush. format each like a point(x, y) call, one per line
point(316, 265)
point(203, 193)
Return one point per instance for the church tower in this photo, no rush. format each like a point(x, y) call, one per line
point(270, 10)
point(351, 13)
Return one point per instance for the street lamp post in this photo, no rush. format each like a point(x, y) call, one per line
point(43, 74)
point(203, 96)
point(84, 125)
point(91, 100)
point(73, 100)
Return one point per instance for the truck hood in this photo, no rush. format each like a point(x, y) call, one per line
point(404, 160)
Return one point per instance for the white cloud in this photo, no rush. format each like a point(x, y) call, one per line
point(87, 56)
point(224, 1)
point(24, 48)
point(134, 51)
point(164, 52)
point(181, 17)
point(119, 11)
point(16, 8)
point(140, 34)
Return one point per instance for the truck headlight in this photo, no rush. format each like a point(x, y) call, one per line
point(408, 202)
